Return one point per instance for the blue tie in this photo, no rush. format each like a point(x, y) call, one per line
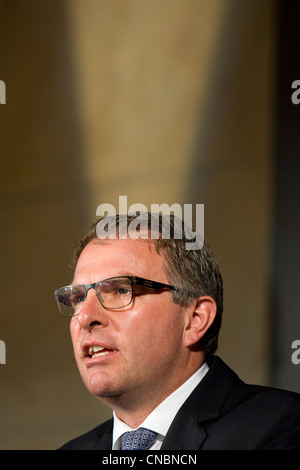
point(140, 439)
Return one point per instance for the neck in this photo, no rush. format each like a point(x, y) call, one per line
point(133, 409)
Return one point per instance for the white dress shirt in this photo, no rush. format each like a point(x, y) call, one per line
point(160, 419)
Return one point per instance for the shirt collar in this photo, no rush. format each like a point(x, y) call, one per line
point(160, 419)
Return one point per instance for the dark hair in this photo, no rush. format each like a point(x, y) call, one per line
point(195, 270)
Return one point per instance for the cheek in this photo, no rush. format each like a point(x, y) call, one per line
point(155, 333)
point(75, 337)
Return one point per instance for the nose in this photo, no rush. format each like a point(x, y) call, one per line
point(92, 312)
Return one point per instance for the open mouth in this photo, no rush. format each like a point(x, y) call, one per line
point(96, 351)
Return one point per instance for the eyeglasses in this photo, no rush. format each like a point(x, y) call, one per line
point(113, 293)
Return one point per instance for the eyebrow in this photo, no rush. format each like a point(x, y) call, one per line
point(126, 273)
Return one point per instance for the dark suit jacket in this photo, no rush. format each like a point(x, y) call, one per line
point(222, 413)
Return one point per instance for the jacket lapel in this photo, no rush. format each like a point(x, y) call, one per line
point(205, 404)
point(103, 440)
point(184, 434)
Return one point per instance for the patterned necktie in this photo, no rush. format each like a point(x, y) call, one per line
point(140, 439)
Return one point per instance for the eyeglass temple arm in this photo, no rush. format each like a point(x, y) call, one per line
point(153, 284)
point(158, 285)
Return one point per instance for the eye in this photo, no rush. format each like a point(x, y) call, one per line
point(114, 289)
point(76, 299)
point(123, 290)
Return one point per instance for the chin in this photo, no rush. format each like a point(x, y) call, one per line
point(101, 387)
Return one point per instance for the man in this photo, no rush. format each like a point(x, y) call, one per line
point(145, 318)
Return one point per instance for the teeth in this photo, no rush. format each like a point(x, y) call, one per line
point(95, 349)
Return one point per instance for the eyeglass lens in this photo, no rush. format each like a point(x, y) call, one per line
point(112, 293)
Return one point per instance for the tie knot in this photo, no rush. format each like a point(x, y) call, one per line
point(140, 439)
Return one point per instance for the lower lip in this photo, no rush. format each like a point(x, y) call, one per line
point(100, 358)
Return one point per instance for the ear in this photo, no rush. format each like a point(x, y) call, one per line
point(199, 319)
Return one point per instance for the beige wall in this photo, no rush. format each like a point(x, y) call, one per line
point(160, 101)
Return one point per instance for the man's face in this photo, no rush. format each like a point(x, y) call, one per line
point(144, 353)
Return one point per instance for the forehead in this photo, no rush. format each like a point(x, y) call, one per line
point(101, 259)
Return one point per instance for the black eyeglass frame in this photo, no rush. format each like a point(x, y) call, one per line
point(135, 281)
